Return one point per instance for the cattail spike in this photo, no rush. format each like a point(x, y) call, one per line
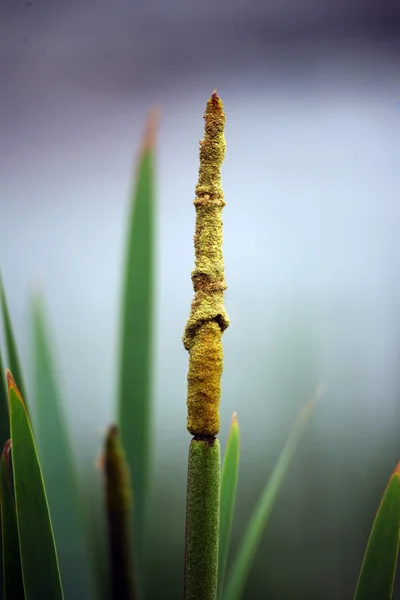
point(119, 508)
point(208, 318)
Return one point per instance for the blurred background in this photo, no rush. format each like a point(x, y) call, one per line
point(311, 178)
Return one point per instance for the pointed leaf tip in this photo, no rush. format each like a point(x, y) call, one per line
point(311, 405)
point(36, 539)
point(396, 469)
point(11, 384)
point(320, 390)
point(151, 129)
point(11, 345)
point(10, 380)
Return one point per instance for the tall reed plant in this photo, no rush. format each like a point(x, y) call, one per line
point(51, 537)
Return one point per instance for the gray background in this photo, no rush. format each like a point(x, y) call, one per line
point(311, 177)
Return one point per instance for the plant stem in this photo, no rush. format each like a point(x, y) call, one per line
point(202, 520)
point(119, 507)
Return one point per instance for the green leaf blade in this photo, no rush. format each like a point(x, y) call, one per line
point(135, 393)
point(247, 549)
point(39, 561)
point(229, 479)
point(378, 570)
point(11, 344)
point(58, 465)
point(12, 573)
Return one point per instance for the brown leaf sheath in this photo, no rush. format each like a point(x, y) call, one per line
point(208, 318)
point(119, 507)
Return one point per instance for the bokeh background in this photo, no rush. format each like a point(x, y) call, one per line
point(311, 177)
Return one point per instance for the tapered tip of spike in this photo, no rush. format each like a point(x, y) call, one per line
point(234, 419)
point(215, 103)
point(112, 435)
point(113, 431)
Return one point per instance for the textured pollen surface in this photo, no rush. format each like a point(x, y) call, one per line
point(208, 318)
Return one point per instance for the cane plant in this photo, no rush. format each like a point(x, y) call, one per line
point(41, 496)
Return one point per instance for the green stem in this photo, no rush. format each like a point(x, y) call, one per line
point(202, 519)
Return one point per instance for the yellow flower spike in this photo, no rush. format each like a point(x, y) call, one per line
point(208, 318)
